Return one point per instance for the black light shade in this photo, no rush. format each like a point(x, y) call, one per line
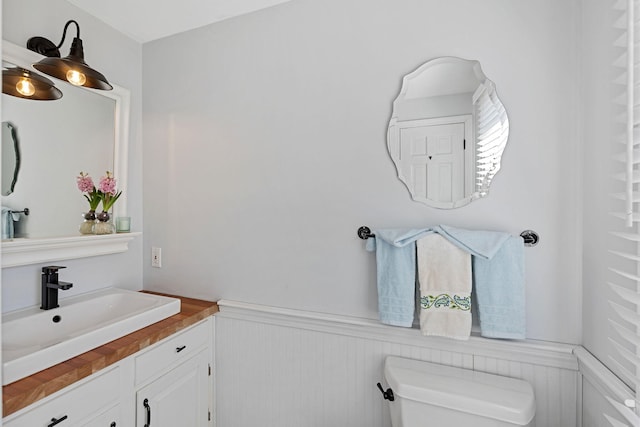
point(71, 68)
point(25, 84)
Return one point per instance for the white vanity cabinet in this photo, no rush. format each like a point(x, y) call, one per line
point(178, 398)
point(169, 383)
point(94, 401)
point(173, 381)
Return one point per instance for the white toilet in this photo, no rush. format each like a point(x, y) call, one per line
point(431, 395)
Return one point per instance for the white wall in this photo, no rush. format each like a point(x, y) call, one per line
point(118, 58)
point(264, 149)
point(600, 140)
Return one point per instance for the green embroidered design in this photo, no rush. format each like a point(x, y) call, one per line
point(446, 301)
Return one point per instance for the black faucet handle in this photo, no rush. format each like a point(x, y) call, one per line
point(63, 286)
point(51, 269)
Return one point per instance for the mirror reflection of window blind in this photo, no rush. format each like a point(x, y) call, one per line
point(624, 264)
point(492, 132)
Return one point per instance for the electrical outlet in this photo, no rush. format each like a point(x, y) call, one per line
point(156, 257)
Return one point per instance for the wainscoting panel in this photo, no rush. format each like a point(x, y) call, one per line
point(556, 389)
point(600, 387)
point(285, 368)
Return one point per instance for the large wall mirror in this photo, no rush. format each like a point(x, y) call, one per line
point(86, 130)
point(447, 132)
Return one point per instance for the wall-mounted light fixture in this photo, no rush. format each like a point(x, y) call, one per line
point(23, 83)
point(71, 68)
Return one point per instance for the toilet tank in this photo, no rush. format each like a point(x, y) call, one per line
point(428, 394)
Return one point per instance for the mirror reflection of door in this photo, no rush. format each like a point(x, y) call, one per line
point(433, 156)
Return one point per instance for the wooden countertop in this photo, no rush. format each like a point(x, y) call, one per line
point(26, 391)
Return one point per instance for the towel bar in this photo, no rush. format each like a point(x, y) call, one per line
point(530, 237)
point(23, 211)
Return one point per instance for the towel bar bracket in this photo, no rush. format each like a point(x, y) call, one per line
point(530, 237)
point(364, 232)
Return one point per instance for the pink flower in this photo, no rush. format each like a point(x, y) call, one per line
point(85, 183)
point(107, 191)
point(108, 184)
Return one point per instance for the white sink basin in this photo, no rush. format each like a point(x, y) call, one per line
point(35, 339)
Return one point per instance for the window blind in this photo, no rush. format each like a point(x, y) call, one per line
point(492, 131)
point(624, 245)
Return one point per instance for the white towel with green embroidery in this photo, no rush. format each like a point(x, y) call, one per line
point(444, 273)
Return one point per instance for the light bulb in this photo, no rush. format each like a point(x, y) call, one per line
point(76, 78)
point(25, 87)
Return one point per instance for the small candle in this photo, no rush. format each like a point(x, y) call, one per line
point(123, 224)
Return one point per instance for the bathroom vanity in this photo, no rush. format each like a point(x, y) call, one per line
point(162, 372)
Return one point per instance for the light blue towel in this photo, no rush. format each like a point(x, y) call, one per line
point(400, 237)
point(396, 270)
point(500, 291)
point(7, 223)
point(483, 244)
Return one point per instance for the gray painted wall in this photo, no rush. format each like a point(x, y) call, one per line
point(265, 150)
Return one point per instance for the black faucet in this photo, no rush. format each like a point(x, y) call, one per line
point(50, 286)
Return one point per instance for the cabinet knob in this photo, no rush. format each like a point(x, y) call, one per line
point(179, 349)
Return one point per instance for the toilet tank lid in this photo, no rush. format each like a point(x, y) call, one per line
point(491, 396)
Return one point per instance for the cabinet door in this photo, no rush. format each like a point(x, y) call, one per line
point(178, 398)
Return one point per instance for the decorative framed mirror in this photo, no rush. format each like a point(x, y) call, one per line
point(447, 132)
point(87, 130)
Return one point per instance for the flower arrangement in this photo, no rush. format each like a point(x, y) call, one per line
point(85, 185)
point(105, 193)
